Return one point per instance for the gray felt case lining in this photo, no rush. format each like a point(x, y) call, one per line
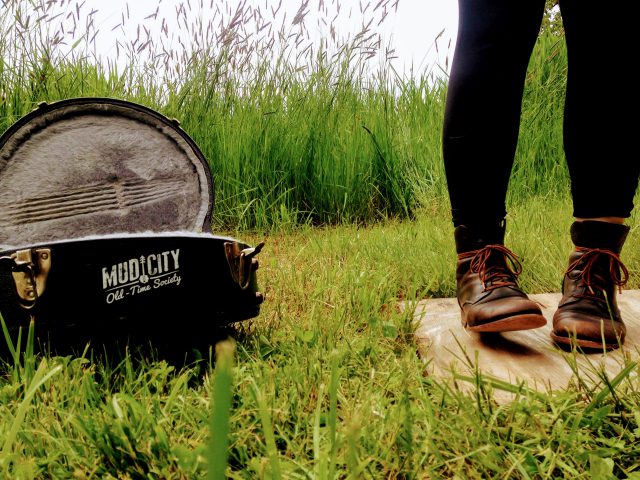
point(99, 166)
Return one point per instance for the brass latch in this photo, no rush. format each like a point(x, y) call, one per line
point(242, 262)
point(30, 269)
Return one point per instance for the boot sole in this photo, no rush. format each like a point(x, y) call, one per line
point(580, 342)
point(510, 324)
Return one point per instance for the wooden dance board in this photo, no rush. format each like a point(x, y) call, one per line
point(528, 357)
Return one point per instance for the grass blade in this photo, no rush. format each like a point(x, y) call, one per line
point(221, 408)
point(267, 428)
point(40, 377)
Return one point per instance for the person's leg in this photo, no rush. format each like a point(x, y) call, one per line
point(600, 138)
point(604, 169)
point(482, 118)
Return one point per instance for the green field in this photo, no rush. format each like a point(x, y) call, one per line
point(340, 173)
point(316, 139)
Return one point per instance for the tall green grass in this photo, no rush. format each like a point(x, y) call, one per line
point(315, 134)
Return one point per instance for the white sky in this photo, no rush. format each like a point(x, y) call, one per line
point(414, 28)
point(411, 28)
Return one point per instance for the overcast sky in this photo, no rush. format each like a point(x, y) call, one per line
point(411, 27)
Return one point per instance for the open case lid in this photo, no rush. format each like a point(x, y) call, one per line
point(92, 166)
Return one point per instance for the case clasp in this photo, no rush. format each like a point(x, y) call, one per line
point(242, 262)
point(30, 270)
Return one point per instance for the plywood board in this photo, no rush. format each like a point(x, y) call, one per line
point(523, 356)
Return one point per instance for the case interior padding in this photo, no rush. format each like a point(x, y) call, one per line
point(99, 166)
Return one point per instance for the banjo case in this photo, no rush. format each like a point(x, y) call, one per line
point(105, 209)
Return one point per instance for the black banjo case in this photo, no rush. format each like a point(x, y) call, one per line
point(105, 207)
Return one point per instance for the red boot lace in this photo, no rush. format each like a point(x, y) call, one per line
point(618, 273)
point(497, 273)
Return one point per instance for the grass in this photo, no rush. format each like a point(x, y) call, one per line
point(326, 381)
point(338, 167)
point(294, 131)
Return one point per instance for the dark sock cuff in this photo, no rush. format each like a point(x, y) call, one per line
point(596, 234)
point(474, 237)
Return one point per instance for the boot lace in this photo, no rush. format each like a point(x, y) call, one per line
point(499, 272)
point(590, 276)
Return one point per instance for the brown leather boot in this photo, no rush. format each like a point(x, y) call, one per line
point(487, 288)
point(588, 309)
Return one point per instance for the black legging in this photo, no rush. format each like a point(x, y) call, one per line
point(495, 40)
